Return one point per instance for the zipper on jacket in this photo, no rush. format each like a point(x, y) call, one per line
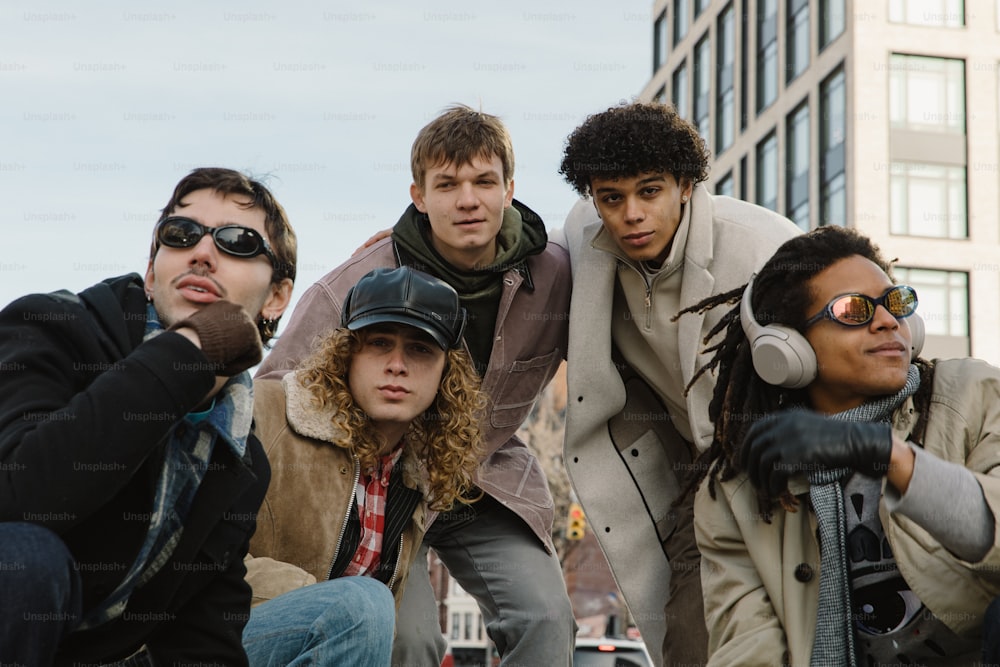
point(649, 303)
point(347, 516)
point(648, 300)
point(399, 558)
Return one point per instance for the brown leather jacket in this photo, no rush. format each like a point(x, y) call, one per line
point(300, 526)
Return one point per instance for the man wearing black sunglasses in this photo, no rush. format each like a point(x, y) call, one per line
point(131, 478)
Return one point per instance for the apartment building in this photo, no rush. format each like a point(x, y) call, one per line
point(876, 114)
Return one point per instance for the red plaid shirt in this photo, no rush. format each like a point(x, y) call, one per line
point(371, 497)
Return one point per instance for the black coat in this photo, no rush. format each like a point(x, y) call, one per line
point(85, 406)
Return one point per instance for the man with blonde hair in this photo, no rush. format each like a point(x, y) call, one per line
point(465, 227)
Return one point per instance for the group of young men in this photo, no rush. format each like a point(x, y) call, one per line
point(133, 471)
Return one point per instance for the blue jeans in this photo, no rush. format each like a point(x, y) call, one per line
point(519, 586)
point(345, 621)
point(42, 599)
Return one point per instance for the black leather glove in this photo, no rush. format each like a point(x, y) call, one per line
point(798, 441)
point(229, 337)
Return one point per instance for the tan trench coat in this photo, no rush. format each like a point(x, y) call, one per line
point(761, 581)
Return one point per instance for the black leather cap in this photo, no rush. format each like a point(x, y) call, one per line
point(406, 296)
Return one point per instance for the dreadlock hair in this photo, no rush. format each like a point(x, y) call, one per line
point(781, 295)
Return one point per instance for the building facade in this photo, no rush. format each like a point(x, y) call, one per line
point(876, 114)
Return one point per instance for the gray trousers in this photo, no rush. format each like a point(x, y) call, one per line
point(518, 585)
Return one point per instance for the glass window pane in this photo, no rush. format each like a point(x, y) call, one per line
point(702, 85)
point(679, 88)
point(680, 20)
point(927, 94)
point(767, 172)
point(660, 41)
point(831, 21)
point(944, 13)
point(928, 200)
point(726, 186)
point(943, 299)
point(797, 55)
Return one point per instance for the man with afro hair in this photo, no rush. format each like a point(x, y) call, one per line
point(647, 240)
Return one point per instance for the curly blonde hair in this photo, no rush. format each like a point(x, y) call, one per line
point(446, 437)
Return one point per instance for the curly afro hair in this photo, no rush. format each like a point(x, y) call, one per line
point(632, 139)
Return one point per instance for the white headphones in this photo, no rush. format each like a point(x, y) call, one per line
point(783, 357)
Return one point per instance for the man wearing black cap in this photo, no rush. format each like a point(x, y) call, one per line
point(362, 445)
point(465, 227)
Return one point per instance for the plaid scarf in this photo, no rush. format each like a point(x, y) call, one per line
point(372, 497)
point(833, 643)
point(190, 444)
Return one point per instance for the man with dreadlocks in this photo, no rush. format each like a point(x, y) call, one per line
point(647, 240)
point(833, 438)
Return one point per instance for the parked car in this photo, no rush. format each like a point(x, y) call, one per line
point(608, 652)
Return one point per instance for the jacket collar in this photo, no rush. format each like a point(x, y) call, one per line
point(304, 416)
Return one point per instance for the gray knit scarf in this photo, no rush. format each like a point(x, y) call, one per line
point(833, 645)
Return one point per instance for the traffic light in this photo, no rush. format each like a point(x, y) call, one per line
point(577, 523)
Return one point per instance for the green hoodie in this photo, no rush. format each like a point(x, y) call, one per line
point(522, 233)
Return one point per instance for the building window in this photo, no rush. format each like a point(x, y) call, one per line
point(927, 94)
point(831, 21)
point(928, 200)
point(700, 6)
point(679, 88)
point(797, 160)
point(725, 104)
point(660, 46)
point(943, 298)
point(726, 186)
point(833, 179)
point(456, 626)
point(745, 69)
point(468, 626)
point(940, 13)
point(680, 20)
point(702, 85)
point(797, 46)
point(767, 172)
point(744, 191)
point(767, 53)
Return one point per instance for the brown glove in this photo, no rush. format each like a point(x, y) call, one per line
point(229, 337)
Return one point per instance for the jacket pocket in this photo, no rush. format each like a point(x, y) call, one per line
point(513, 472)
point(520, 386)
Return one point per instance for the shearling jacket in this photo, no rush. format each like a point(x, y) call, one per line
point(529, 344)
point(761, 580)
point(303, 526)
point(625, 459)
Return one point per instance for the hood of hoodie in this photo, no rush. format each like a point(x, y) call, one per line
point(522, 234)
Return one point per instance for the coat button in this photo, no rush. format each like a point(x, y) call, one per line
point(803, 572)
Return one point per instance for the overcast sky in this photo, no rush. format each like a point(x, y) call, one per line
point(106, 105)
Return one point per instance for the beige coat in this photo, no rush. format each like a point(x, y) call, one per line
point(312, 488)
point(761, 581)
point(528, 345)
point(624, 458)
